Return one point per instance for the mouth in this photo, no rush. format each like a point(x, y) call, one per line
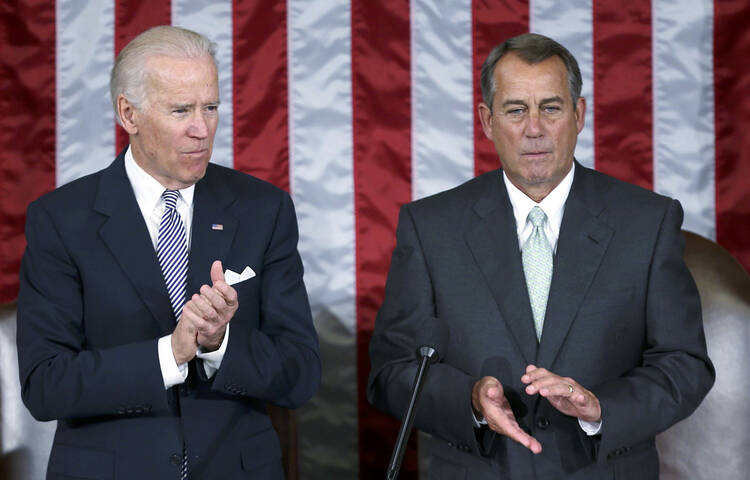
point(535, 154)
point(196, 153)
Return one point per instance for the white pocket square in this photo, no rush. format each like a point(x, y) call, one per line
point(233, 277)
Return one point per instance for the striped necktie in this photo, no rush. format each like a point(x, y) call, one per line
point(537, 267)
point(171, 249)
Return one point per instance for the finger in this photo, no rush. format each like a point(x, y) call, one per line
point(561, 389)
point(493, 393)
point(217, 272)
point(205, 308)
point(534, 373)
point(228, 292)
point(199, 325)
point(550, 384)
point(212, 297)
point(511, 429)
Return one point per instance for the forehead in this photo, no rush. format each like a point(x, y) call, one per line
point(517, 79)
point(176, 77)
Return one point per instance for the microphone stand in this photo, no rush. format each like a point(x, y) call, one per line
point(427, 355)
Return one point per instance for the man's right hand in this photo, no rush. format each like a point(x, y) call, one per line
point(488, 401)
point(184, 341)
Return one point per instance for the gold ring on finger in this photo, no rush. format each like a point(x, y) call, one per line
point(570, 388)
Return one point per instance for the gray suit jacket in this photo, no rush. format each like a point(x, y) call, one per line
point(623, 319)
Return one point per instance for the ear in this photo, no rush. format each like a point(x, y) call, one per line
point(485, 116)
point(580, 113)
point(127, 113)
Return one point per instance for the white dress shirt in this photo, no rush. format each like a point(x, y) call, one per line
point(148, 193)
point(553, 206)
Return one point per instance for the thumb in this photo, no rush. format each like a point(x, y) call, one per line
point(217, 272)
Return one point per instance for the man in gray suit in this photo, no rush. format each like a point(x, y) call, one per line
point(575, 331)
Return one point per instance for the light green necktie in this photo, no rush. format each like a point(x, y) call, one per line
point(537, 266)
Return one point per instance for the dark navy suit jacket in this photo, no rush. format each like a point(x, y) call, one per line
point(623, 319)
point(93, 304)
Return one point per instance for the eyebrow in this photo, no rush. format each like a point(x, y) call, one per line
point(189, 105)
point(544, 101)
point(555, 99)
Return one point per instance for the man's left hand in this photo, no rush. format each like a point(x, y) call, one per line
point(564, 393)
point(212, 309)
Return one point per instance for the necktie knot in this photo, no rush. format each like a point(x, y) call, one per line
point(537, 217)
point(170, 198)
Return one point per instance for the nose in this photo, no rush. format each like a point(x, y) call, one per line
point(198, 127)
point(533, 124)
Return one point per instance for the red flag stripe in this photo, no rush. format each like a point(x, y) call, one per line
point(131, 18)
point(27, 125)
point(260, 90)
point(623, 117)
point(493, 22)
point(381, 112)
point(732, 111)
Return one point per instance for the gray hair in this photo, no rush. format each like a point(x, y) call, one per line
point(532, 48)
point(129, 73)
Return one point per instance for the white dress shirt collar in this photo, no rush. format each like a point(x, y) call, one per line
point(147, 189)
point(553, 206)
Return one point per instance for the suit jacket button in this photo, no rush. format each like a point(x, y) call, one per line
point(450, 444)
point(175, 459)
point(542, 423)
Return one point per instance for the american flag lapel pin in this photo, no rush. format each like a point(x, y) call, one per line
point(217, 226)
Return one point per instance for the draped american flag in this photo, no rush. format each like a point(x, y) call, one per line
point(358, 106)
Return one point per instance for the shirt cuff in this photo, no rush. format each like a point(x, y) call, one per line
point(171, 373)
point(478, 422)
point(212, 360)
point(591, 428)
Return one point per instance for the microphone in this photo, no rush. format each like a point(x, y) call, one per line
point(431, 339)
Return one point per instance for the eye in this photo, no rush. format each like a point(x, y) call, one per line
point(212, 108)
point(551, 108)
point(180, 111)
point(515, 112)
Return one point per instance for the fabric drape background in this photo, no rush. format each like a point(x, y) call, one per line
point(357, 107)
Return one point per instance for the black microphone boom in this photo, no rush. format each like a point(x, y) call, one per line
point(427, 352)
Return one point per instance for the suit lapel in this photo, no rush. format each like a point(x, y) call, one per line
point(213, 230)
point(126, 235)
point(494, 243)
point(583, 240)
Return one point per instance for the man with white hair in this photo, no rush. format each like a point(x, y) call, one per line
point(162, 304)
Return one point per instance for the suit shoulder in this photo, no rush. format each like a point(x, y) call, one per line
point(629, 196)
point(456, 198)
point(65, 198)
point(241, 183)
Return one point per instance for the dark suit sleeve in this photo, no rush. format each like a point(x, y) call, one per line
point(675, 372)
point(60, 376)
point(279, 361)
point(445, 403)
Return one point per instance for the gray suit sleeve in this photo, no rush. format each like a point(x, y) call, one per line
point(444, 407)
point(675, 373)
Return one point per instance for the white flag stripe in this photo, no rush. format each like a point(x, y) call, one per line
point(684, 146)
point(84, 58)
point(214, 20)
point(441, 86)
point(322, 183)
point(571, 24)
